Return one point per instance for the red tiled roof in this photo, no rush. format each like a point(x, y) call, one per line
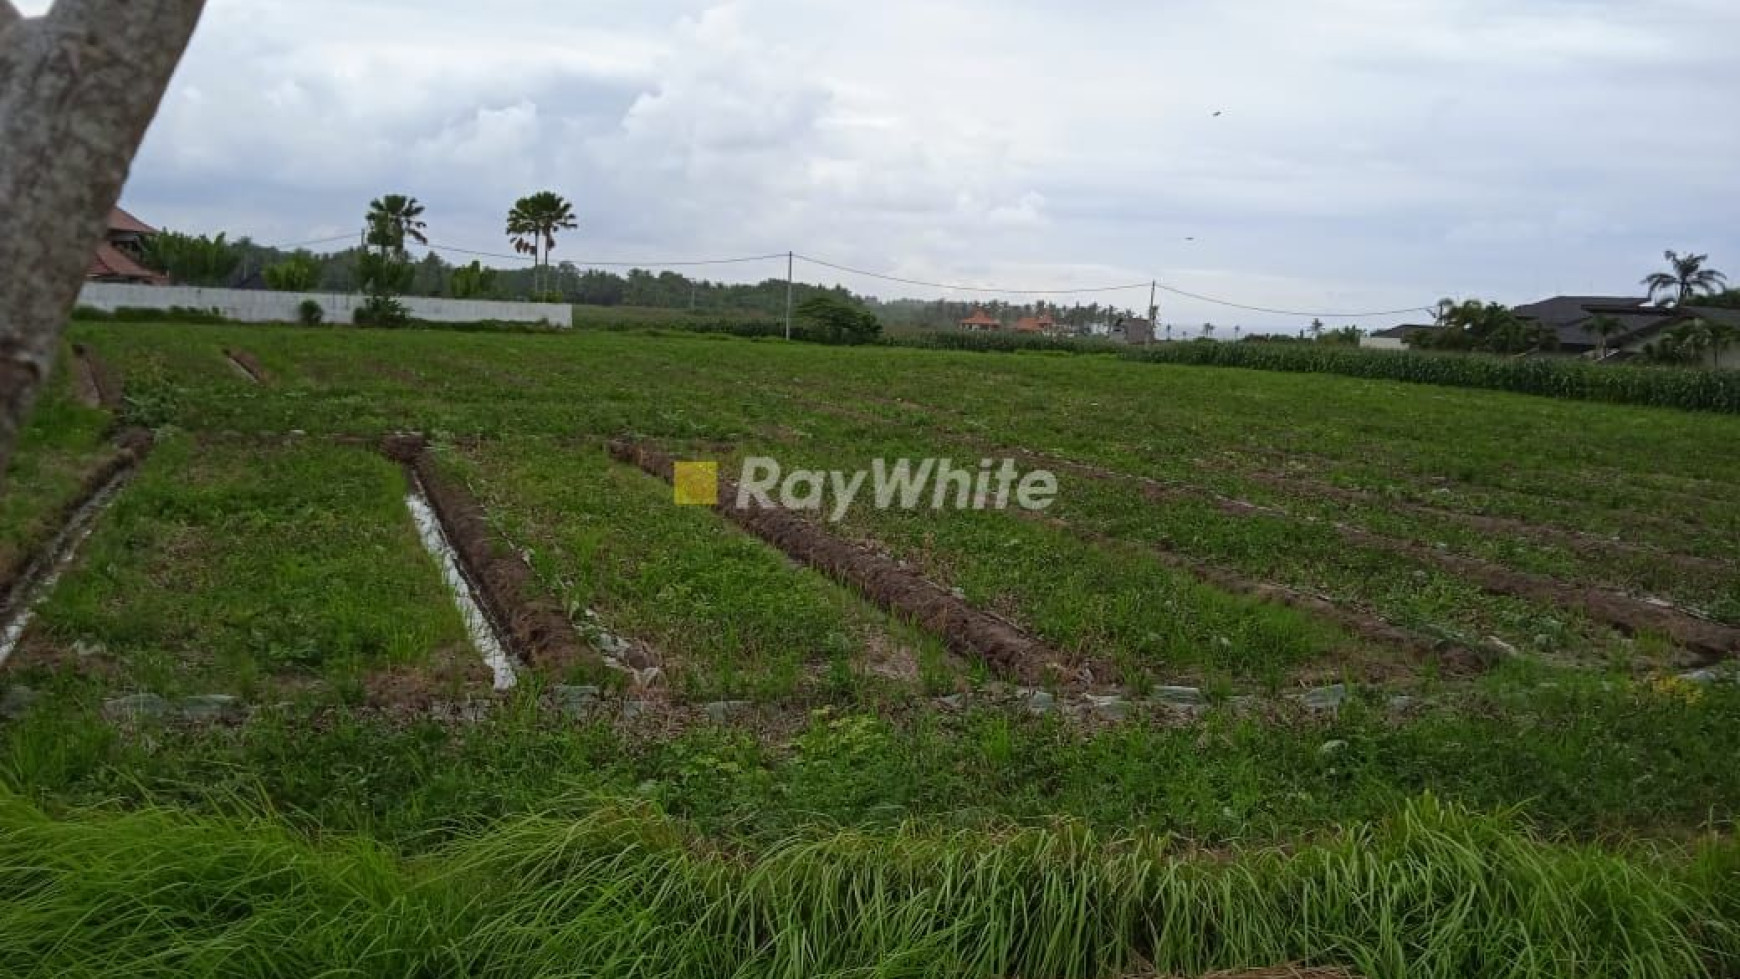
point(120, 220)
point(1034, 324)
point(980, 318)
point(111, 263)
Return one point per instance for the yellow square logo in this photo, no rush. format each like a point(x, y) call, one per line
point(697, 483)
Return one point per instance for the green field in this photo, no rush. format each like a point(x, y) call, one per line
point(1353, 674)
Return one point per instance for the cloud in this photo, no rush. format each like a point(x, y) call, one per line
point(1375, 153)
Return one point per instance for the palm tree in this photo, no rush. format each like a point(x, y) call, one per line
point(1604, 327)
point(1688, 278)
point(1719, 337)
point(533, 224)
point(393, 219)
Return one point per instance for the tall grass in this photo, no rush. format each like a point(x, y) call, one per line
point(1558, 377)
point(1432, 892)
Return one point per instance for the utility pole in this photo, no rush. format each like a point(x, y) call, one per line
point(1153, 308)
point(790, 258)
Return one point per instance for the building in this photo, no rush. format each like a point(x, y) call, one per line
point(120, 256)
point(1134, 330)
point(1042, 323)
point(981, 320)
point(1394, 338)
point(1575, 322)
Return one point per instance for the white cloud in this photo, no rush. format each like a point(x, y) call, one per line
point(1369, 152)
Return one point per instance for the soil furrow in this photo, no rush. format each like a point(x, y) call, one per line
point(247, 365)
point(530, 620)
point(98, 384)
point(29, 580)
point(964, 629)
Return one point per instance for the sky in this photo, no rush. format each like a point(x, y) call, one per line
point(1367, 154)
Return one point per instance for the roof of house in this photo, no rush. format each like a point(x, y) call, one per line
point(1405, 330)
point(120, 220)
point(1034, 324)
point(112, 263)
point(980, 318)
point(1714, 314)
point(1565, 310)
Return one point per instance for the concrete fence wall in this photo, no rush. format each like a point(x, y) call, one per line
point(250, 306)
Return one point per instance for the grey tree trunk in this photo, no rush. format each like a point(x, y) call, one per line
point(78, 87)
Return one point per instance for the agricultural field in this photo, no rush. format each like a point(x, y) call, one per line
point(1300, 675)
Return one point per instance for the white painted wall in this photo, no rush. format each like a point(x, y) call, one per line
point(251, 306)
point(1382, 343)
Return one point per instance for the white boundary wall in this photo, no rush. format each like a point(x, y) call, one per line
point(250, 306)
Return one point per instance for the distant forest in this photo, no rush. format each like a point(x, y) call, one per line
point(243, 264)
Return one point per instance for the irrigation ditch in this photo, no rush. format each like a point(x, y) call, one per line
point(25, 584)
point(509, 614)
point(247, 365)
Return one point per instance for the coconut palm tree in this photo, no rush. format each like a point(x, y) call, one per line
point(392, 220)
point(1604, 327)
point(1687, 280)
point(532, 225)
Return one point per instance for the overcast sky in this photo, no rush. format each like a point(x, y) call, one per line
point(1370, 154)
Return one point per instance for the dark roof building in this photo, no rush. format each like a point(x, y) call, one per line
point(120, 256)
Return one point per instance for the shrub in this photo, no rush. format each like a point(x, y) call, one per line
point(1692, 390)
point(310, 313)
point(91, 314)
point(382, 311)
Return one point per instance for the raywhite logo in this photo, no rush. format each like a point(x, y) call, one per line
point(936, 483)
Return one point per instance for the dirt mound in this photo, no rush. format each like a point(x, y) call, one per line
point(963, 628)
point(531, 620)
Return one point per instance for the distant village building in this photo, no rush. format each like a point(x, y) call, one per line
point(1042, 323)
point(1571, 321)
point(981, 320)
point(121, 254)
point(1135, 330)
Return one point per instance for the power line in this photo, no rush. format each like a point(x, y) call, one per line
point(1291, 312)
point(620, 265)
point(961, 288)
point(317, 241)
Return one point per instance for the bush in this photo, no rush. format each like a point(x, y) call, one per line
point(1692, 390)
point(310, 313)
point(174, 314)
point(382, 311)
point(91, 314)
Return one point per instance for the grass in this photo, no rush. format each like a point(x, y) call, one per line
point(227, 566)
point(1433, 891)
point(61, 444)
point(1569, 813)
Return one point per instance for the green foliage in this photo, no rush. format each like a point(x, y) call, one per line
point(472, 282)
point(835, 320)
point(384, 275)
point(1488, 327)
point(532, 224)
point(191, 260)
point(1434, 892)
point(1686, 278)
point(392, 221)
point(384, 311)
point(298, 273)
point(310, 313)
point(1693, 390)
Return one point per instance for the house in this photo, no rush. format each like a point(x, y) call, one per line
point(1394, 338)
point(1042, 323)
point(1134, 330)
point(1570, 318)
point(121, 254)
point(980, 320)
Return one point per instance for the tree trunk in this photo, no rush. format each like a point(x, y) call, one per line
point(78, 87)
